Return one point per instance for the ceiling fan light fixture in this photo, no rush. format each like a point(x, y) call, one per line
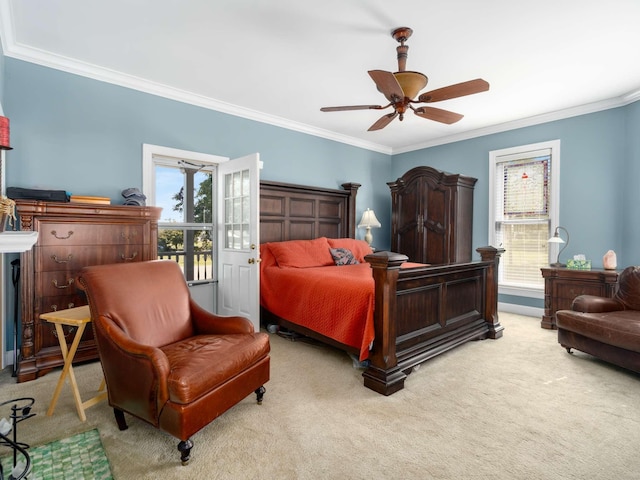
point(411, 82)
point(401, 88)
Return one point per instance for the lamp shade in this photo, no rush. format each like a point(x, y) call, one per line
point(5, 143)
point(557, 239)
point(369, 220)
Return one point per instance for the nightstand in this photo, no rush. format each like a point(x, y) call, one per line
point(562, 285)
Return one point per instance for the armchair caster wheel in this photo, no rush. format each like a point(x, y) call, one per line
point(185, 447)
point(260, 393)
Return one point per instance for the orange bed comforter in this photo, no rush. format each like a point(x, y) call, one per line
point(335, 301)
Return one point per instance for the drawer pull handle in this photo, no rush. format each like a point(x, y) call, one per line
point(128, 259)
point(54, 307)
point(67, 330)
point(57, 260)
point(69, 283)
point(55, 234)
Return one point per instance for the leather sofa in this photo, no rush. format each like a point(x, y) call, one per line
point(607, 328)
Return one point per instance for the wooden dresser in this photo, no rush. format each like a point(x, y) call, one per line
point(432, 216)
point(71, 236)
point(562, 285)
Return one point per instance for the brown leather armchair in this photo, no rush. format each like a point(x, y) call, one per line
point(607, 328)
point(166, 360)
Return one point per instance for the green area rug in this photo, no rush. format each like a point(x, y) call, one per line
point(80, 457)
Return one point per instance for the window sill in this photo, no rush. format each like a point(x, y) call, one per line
point(521, 291)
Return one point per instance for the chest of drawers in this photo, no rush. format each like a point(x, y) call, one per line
point(71, 236)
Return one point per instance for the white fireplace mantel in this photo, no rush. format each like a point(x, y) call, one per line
point(17, 242)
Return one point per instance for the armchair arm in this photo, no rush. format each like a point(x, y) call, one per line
point(595, 304)
point(136, 374)
point(206, 322)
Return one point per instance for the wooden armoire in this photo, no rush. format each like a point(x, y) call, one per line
point(71, 236)
point(432, 216)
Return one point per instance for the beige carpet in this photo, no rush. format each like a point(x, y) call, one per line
point(516, 408)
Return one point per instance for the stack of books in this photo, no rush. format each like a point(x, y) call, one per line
point(90, 199)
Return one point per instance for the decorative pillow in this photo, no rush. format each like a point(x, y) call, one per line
point(343, 256)
point(302, 253)
point(266, 257)
point(359, 248)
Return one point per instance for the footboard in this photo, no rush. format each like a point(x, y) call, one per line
point(424, 311)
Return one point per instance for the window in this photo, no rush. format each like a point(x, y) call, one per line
point(182, 183)
point(523, 198)
point(237, 210)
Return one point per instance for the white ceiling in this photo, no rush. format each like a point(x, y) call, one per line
point(279, 61)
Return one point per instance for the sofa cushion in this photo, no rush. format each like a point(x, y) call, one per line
point(629, 288)
point(192, 373)
point(620, 329)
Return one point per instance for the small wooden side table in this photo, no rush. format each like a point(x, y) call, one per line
point(562, 285)
point(73, 317)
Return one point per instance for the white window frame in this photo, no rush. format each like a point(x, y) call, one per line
point(524, 151)
point(153, 155)
point(168, 156)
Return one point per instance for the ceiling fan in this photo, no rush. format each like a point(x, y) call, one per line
point(400, 89)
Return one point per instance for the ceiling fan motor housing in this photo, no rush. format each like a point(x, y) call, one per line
point(411, 82)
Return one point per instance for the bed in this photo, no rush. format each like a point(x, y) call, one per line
point(408, 312)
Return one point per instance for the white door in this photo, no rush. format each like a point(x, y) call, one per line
point(239, 238)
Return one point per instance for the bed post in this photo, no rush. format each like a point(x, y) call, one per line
point(352, 188)
point(383, 376)
point(492, 254)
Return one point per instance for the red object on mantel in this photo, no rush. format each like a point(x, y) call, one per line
point(4, 134)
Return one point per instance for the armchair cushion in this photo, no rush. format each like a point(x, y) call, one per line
point(619, 329)
point(595, 304)
point(190, 358)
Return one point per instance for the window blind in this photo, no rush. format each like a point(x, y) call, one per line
point(522, 216)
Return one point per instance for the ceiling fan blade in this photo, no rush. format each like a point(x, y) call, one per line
point(387, 84)
point(437, 114)
point(454, 91)
point(383, 121)
point(353, 107)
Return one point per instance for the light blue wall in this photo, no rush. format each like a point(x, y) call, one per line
point(86, 136)
point(1, 75)
point(597, 191)
point(77, 134)
point(630, 181)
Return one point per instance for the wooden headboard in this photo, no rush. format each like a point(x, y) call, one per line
point(300, 212)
